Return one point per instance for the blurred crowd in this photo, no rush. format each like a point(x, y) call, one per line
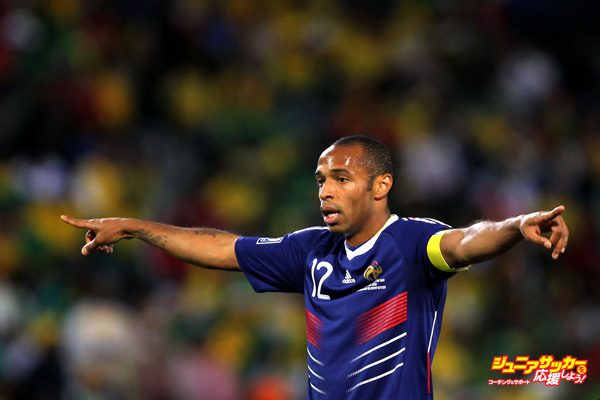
point(213, 113)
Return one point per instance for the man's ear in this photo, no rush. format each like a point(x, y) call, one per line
point(382, 185)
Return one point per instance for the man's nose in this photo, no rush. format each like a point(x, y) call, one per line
point(326, 190)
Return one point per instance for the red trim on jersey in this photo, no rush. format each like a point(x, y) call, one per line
point(313, 327)
point(428, 374)
point(383, 317)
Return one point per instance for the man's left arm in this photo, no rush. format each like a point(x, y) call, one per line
point(487, 239)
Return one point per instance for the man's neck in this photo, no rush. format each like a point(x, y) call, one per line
point(371, 229)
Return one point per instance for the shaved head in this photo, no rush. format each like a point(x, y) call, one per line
point(377, 155)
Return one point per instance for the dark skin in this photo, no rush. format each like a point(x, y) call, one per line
point(348, 204)
point(351, 205)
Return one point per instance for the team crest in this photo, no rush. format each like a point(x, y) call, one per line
point(373, 271)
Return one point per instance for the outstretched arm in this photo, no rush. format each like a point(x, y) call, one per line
point(209, 248)
point(485, 240)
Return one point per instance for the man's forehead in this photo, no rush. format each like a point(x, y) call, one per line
point(348, 157)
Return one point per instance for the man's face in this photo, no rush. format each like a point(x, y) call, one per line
point(343, 181)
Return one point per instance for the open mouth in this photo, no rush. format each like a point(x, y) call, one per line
point(330, 214)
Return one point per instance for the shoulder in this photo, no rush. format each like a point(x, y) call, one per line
point(304, 237)
point(313, 237)
point(416, 228)
point(311, 234)
point(421, 223)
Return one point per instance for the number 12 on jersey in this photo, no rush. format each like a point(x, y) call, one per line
point(328, 270)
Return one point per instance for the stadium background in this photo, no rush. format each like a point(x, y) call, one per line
point(214, 112)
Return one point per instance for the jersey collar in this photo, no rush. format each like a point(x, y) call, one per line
point(368, 245)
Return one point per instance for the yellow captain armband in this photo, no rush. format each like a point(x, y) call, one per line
point(434, 252)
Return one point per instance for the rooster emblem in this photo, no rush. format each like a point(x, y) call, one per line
point(373, 271)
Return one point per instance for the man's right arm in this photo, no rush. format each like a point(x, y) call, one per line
point(205, 247)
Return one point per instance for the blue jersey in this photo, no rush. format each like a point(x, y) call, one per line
point(373, 313)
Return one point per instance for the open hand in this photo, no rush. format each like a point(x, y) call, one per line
point(534, 225)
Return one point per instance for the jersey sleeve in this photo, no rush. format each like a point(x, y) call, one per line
point(274, 264)
point(429, 250)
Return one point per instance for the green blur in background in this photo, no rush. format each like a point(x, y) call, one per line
point(213, 113)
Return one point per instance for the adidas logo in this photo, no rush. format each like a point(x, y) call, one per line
point(348, 278)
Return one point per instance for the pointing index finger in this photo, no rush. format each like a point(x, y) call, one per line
point(554, 213)
point(78, 223)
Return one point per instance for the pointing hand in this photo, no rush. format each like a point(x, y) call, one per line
point(534, 225)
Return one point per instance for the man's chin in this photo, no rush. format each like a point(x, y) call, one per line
point(335, 228)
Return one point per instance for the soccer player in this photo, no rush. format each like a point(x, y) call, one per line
point(374, 283)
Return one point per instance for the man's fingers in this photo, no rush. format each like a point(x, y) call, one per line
point(555, 236)
point(78, 223)
point(557, 242)
point(548, 215)
point(93, 247)
point(563, 246)
point(93, 244)
point(89, 236)
point(535, 237)
point(560, 247)
point(560, 234)
point(89, 248)
point(556, 239)
point(105, 248)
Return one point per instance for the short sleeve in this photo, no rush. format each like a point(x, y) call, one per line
point(434, 252)
point(428, 248)
point(273, 264)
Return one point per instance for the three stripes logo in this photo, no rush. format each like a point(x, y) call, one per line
point(348, 278)
point(373, 271)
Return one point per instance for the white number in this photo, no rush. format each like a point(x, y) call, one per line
point(317, 290)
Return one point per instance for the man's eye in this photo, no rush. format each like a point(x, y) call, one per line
point(320, 182)
point(341, 179)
